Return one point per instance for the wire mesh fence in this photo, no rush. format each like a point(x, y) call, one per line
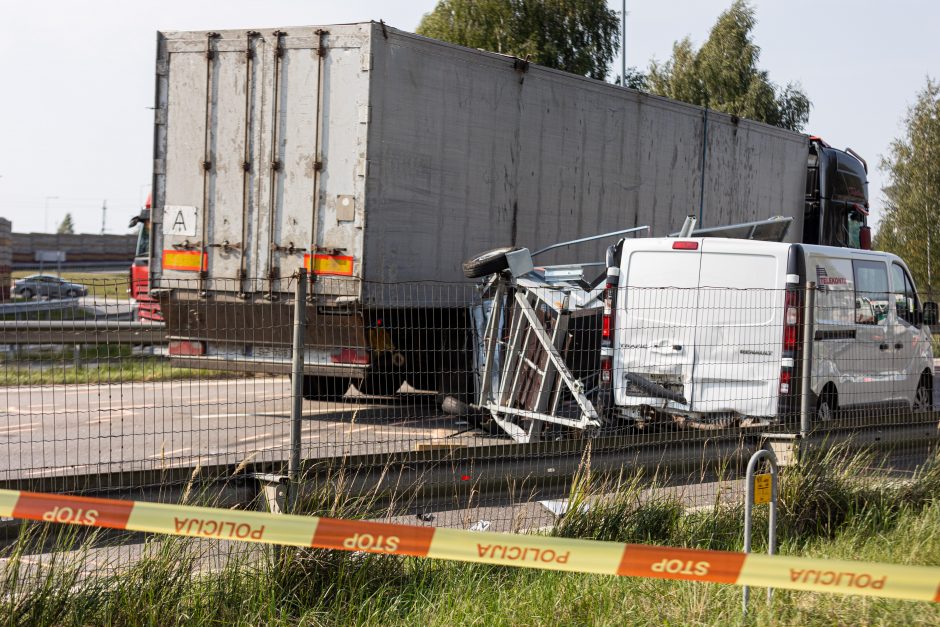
point(512, 405)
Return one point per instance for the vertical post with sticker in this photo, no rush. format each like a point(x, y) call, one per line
point(297, 386)
point(761, 489)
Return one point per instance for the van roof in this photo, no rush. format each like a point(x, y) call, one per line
point(727, 243)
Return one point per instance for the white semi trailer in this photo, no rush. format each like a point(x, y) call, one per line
point(375, 158)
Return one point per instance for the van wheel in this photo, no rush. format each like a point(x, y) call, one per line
point(490, 262)
point(324, 388)
point(826, 406)
point(923, 397)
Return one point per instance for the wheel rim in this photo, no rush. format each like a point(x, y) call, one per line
point(824, 411)
point(922, 398)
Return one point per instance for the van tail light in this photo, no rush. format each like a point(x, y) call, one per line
point(607, 325)
point(685, 245)
point(791, 320)
point(785, 377)
point(606, 369)
point(186, 348)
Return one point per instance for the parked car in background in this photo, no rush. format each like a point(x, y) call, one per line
point(49, 286)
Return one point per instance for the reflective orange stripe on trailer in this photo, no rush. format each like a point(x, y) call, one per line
point(185, 260)
point(329, 264)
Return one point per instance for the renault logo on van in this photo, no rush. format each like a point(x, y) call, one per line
point(750, 351)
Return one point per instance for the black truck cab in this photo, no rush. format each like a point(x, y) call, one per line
point(836, 209)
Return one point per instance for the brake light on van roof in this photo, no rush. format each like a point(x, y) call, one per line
point(685, 245)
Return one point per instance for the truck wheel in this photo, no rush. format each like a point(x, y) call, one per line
point(490, 262)
point(383, 379)
point(324, 388)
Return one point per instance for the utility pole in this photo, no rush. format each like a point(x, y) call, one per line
point(104, 211)
point(623, 45)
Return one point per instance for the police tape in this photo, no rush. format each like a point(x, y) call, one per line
point(921, 583)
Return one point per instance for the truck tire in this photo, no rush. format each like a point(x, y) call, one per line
point(383, 379)
point(490, 262)
point(324, 388)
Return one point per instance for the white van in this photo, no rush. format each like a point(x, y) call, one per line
point(708, 330)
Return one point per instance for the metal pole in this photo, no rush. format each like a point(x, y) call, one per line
point(297, 384)
point(806, 386)
point(623, 45)
point(748, 513)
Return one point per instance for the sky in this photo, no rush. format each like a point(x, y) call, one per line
point(76, 122)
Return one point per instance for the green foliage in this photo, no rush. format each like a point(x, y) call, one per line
point(723, 75)
point(67, 227)
point(578, 36)
point(910, 224)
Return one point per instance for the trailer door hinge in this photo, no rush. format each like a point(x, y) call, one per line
point(226, 246)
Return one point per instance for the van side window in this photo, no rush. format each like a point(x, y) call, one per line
point(905, 298)
point(871, 291)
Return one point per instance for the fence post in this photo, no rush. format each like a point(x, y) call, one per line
point(806, 386)
point(297, 386)
point(763, 497)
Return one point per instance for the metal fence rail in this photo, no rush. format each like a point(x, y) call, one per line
point(414, 398)
point(81, 332)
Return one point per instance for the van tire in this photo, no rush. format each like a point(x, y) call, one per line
point(487, 263)
point(923, 397)
point(827, 405)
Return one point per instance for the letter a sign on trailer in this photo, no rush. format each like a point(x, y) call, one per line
point(180, 220)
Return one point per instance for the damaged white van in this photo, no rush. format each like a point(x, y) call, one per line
point(708, 331)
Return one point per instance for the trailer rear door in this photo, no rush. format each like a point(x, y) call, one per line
point(249, 192)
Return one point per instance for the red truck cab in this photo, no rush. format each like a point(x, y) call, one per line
point(147, 307)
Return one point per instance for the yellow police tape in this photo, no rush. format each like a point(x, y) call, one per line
point(921, 583)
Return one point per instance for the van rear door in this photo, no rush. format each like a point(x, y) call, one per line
point(655, 320)
point(739, 327)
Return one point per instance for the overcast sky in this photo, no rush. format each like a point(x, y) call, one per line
point(76, 127)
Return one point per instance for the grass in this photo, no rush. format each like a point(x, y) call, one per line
point(99, 284)
point(828, 511)
point(125, 370)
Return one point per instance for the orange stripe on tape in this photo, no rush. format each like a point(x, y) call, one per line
point(76, 510)
point(936, 598)
point(670, 563)
point(354, 535)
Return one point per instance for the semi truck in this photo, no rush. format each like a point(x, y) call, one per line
point(379, 160)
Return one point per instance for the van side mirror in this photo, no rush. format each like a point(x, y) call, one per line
point(930, 313)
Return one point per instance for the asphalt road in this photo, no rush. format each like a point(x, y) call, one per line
point(81, 429)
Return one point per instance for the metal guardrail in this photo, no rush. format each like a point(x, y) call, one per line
point(33, 306)
point(81, 332)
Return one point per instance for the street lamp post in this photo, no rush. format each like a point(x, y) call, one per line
point(46, 210)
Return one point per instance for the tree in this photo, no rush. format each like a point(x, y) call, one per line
point(909, 226)
point(723, 75)
point(67, 227)
point(579, 36)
